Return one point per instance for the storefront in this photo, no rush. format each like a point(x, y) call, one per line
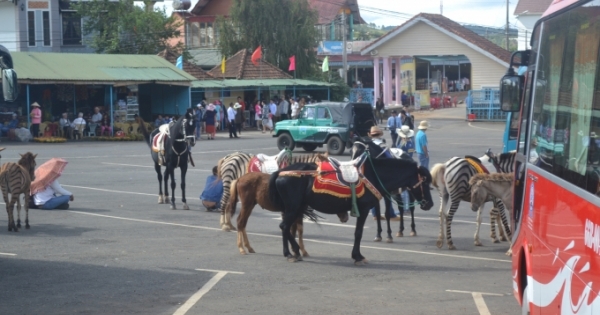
point(121, 86)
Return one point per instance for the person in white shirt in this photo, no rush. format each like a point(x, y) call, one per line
point(53, 197)
point(97, 117)
point(78, 126)
point(65, 125)
point(285, 106)
point(295, 108)
point(231, 121)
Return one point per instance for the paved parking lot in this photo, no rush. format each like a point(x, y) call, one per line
point(116, 251)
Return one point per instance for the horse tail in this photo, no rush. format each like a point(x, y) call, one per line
point(144, 129)
point(437, 175)
point(233, 199)
point(273, 193)
point(309, 213)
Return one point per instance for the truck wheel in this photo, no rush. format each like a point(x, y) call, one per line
point(335, 146)
point(285, 141)
point(309, 147)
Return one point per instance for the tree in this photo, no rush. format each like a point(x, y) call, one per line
point(124, 28)
point(283, 28)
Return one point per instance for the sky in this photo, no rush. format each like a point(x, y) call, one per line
point(396, 12)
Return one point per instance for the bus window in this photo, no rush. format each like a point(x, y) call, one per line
point(567, 98)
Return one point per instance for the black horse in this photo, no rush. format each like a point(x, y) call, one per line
point(177, 154)
point(359, 147)
point(294, 194)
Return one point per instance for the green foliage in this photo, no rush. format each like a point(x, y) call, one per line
point(283, 28)
point(123, 28)
point(367, 32)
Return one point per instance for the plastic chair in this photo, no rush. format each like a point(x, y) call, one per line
point(51, 130)
point(92, 130)
point(78, 131)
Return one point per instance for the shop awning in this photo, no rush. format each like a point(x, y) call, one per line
point(444, 60)
point(116, 70)
point(227, 84)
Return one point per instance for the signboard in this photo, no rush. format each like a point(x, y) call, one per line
point(330, 48)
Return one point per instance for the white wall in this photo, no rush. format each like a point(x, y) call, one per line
point(8, 25)
point(526, 24)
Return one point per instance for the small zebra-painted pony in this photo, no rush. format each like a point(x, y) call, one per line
point(451, 179)
point(486, 187)
point(233, 166)
point(15, 179)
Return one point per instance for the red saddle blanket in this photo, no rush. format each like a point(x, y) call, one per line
point(327, 182)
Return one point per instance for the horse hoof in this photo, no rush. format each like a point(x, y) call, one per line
point(399, 234)
point(291, 259)
point(377, 239)
point(478, 243)
point(242, 252)
point(226, 228)
point(509, 253)
point(413, 233)
point(251, 250)
point(185, 207)
point(496, 241)
point(161, 200)
point(439, 244)
point(305, 254)
point(231, 227)
point(173, 207)
point(298, 257)
point(451, 247)
point(19, 225)
point(389, 240)
point(362, 262)
point(504, 239)
point(27, 226)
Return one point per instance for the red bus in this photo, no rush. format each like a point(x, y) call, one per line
point(556, 218)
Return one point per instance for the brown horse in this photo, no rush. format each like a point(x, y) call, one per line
point(253, 189)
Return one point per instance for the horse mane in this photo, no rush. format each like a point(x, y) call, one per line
point(494, 177)
point(27, 162)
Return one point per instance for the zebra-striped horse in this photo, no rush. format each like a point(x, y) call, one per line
point(235, 165)
point(451, 179)
point(15, 179)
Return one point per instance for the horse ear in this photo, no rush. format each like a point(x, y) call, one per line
point(21, 154)
point(35, 155)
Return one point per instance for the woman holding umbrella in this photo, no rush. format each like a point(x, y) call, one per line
point(47, 193)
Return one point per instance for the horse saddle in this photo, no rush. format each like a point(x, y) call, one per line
point(348, 172)
point(476, 164)
point(269, 164)
point(396, 153)
point(158, 142)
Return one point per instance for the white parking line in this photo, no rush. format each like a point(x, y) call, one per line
point(460, 221)
point(324, 223)
point(307, 240)
point(479, 301)
point(205, 288)
point(494, 129)
point(113, 191)
point(147, 166)
point(8, 254)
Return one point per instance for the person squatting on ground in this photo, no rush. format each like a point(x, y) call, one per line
point(213, 191)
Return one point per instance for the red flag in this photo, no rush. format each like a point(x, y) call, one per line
point(256, 55)
point(292, 63)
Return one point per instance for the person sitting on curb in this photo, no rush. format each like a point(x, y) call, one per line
point(376, 136)
point(213, 191)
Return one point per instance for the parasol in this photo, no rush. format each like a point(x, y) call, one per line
point(46, 173)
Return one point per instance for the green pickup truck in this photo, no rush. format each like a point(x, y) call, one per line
point(334, 124)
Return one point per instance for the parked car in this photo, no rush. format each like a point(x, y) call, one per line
point(331, 123)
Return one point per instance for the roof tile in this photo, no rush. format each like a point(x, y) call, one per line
point(456, 29)
point(194, 70)
point(240, 66)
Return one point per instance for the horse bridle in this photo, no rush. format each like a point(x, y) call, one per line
point(418, 184)
point(493, 159)
point(185, 136)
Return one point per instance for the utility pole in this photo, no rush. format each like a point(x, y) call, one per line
point(506, 24)
point(441, 7)
point(344, 53)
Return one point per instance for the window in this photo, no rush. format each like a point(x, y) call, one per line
point(46, 25)
point(31, 27)
point(308, 113)
point(322, 113)
point(566, 111)
point(71, 29)
point(203, 34)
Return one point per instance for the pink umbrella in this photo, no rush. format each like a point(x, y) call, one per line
point(47, 173)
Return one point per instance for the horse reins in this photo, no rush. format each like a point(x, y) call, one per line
point(185, 136)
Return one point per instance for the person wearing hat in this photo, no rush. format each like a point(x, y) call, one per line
point(422, 145)
point(198, 120)
point(407, 146)
point(239, 117)
point(209, 120)
point(376, 136)
point(394, 123)
point(36, 119)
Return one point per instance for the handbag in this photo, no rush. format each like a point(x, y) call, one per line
point(381, 111)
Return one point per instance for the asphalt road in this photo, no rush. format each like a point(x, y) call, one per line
point(116, 251)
